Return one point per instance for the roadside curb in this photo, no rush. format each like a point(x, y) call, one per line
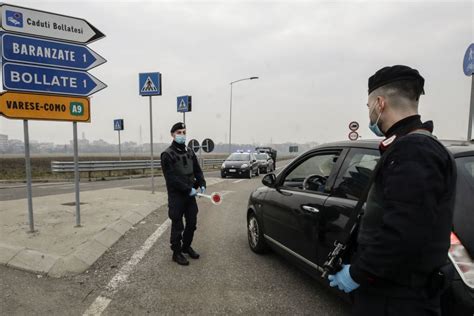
point(80, 260)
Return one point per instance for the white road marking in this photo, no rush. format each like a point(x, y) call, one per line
point(104, 299)
point(237, 181)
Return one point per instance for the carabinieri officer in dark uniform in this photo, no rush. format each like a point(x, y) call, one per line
point(183, 177)
point(404, 236)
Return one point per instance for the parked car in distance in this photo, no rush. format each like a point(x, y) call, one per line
point(265, 162)
point(240, 164)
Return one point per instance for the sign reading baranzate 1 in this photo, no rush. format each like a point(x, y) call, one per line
point(149, 83)
point(22, 77)
point(46, 24)
point(184, 103)
point(468, 63)
point(15, 105)
point(32, 50)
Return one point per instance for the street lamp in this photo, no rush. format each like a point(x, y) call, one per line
point(230, 119)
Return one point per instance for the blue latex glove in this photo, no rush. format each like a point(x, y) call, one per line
point(203, 189)
point(343, 280)
point(193, 192)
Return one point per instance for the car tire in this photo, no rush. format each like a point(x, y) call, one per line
point(255, 235)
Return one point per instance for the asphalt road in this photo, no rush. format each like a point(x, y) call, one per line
point(227, 279)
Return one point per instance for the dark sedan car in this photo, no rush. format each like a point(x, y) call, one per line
point(240, 164)
point(265, 162)
point(302, 211)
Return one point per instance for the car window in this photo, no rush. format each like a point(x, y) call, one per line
point(262, 156)
point(239, 157)
point(463, 210)
point(311, 174)
point(355, 173)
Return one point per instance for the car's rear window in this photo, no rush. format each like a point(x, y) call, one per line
point(261, 156)
point(464, 207)
point(239, 157)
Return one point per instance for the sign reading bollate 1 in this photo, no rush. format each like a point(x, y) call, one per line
point(44, 107)
point(22, 77)
point(32, 50)
point(46, 24)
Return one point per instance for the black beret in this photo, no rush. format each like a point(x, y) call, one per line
point(395, 73)
point(177, 126)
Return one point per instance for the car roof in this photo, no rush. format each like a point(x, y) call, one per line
point(457, 147)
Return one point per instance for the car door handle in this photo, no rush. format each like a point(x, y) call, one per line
point(310, 209)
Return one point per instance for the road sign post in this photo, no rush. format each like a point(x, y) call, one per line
point(76, 175)
point(149, 84)
point(468, 67)
point(28, 176)
point(118, 126)
point(184, 104)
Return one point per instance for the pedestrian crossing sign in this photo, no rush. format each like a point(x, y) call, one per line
point(118, 125)
point(184, 103)
point(149, 83)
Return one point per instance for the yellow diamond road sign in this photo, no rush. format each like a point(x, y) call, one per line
point(28, 106)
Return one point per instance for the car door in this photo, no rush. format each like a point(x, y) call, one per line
point(349, 185)
point(291, 210)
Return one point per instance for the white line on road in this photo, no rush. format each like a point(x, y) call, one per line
point(104, 299)
point(237, 181)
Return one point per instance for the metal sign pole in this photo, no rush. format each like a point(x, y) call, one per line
point(120, 149)
point(151, 149)
point(471, 111)
point(76, 175)
point(230, 121)
point(28, 176)
point(184, 118)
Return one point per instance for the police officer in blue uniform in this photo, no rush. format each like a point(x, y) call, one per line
point(183, 177)
point(400, 266)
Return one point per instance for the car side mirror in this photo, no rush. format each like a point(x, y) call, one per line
point(269, 180)
point(254, 160)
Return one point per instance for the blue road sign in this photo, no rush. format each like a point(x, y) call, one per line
point(32, 50)
point(184, 103)
point(149, 83)
point(468, 64)
point(118, 125)
point(21, 77)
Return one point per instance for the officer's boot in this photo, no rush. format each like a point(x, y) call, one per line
point(180, 259)
point(190, 251)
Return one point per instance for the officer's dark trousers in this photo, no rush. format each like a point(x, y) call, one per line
point(182, 206)
point(368, 303)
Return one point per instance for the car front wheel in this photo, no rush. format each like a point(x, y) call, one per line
point(255, 235)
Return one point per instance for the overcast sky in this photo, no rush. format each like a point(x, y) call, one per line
point(313, 59)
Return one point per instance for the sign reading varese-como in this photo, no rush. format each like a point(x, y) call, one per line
point(44, 107)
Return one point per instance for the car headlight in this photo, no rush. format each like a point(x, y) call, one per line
point(223, 166)
point(244, 166)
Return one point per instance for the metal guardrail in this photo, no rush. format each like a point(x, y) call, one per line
point(91, 166)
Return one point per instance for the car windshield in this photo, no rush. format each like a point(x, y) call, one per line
point(239, 157)
point(463, 211)
point(262, 156)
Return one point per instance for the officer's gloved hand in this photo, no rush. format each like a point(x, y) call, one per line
point(343, 280)
point(203, 189)
point(193, 192)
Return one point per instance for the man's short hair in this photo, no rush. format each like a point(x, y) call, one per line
point(408, 89)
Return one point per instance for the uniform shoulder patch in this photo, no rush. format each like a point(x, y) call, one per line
point(387, 142)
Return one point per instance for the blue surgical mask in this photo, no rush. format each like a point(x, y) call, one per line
point(180, 139)
point(375, 126)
